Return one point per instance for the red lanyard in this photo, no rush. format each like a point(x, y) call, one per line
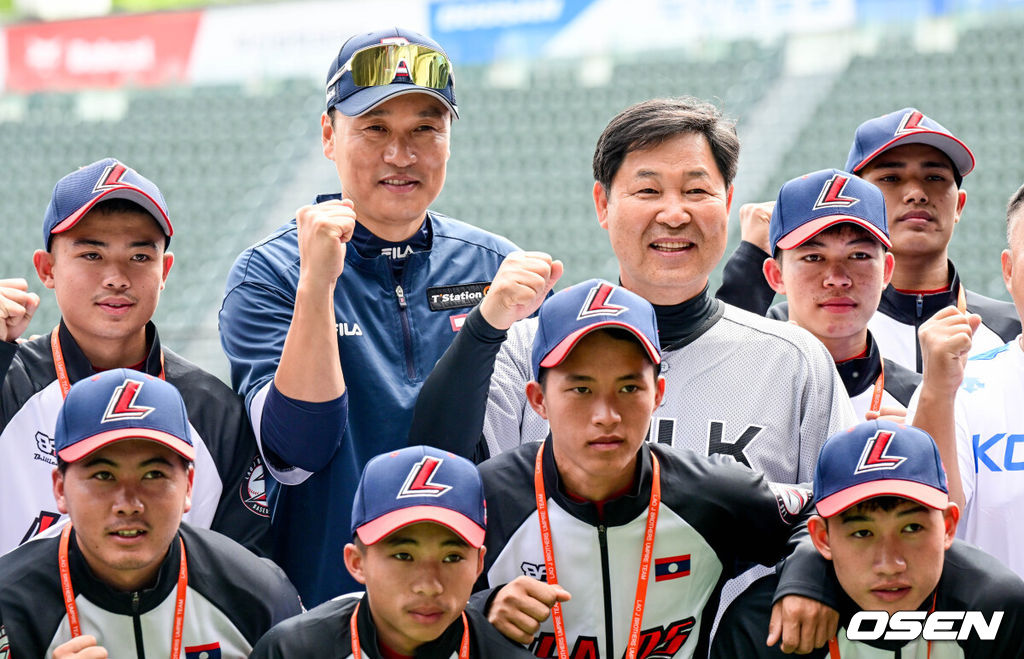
point(833, 644)
point(645, 561)
point(62, 371)
point(876, 397)
point(72, 608)
point(961, 299)
point(357, 652)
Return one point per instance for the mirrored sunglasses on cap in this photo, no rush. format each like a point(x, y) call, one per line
point(378, 65)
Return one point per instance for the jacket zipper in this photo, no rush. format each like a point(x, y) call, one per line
point(403, 314)
point(140, 649)
point(917, 326)
point(602, 539)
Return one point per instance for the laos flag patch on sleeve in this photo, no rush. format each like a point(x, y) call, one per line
point(208, 651)
point(672, 567)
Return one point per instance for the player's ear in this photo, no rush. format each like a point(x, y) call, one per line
point(950, 519)
point(480, 561)
point(168, 262)
point(961, 199)
point(728, 198)
point(772, 269)
point(354, 562)
point(327, 135)
point(58, 491)
point(535, 395)
point(890, 267)
point(190, 474)
point(817, 527)
point(1006, 260)
point(43, 262)
point(659, 392)
point(601, 204)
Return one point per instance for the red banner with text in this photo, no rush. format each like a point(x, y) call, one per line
point(132, 50)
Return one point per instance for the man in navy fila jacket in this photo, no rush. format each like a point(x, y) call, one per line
point(600, 544)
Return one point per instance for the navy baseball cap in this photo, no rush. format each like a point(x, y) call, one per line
point(906, 126)
point(353, 100)
point(419, 484)
point(809, 204)
point(121, 404)
point(879, 458)
point(76, 194)
point(572, 313)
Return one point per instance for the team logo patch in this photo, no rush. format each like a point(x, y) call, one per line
point(5, 646)
point(110, 178)
point(537, 571)
point(875, 455)
point(911, 122)
point(42, 522)
point(673, 567)
point(832, 196)
point(456, 296)
point(791, 500)
point(457, 321)
point(46, 452)
point(254, 488)
point(208, 651)
point(420, 481)
point(597, 303)
point(122, 405)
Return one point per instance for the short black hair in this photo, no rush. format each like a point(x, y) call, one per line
point(116, 206)
point(650, 123)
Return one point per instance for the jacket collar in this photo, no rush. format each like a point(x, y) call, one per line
point(914, 308)
point(860, 373)
point(78, 364)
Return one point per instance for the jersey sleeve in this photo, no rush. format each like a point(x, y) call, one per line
point(509, 420)
point(450, 408)
point(255, 317)
point(743, 282)
point(826, 407)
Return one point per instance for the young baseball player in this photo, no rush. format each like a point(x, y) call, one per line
point(972, 409)
point(105, 237)
point(919, 166)
point(332, 323)
point(126, 577)
point(601, 544)
point(886, 525)
point(830, 238)
point(418, 525)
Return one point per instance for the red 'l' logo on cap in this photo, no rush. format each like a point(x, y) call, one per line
point(122, 403)
point(832, 194)
point(597, 303)
point(420, 481)
point(875, 457)
point(111, 177)
point(910, 122)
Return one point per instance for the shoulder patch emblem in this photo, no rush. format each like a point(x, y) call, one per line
point(791, 500)
point(254, 490)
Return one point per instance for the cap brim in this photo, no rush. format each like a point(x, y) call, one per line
point(808, 230)
point(368, 98)
point(558, 354)
point(129, 193)
point(957, 151)
point(84, 447)
point(377, 529)
point(851, 496)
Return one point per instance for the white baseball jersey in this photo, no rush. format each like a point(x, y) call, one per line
point(989, 413)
